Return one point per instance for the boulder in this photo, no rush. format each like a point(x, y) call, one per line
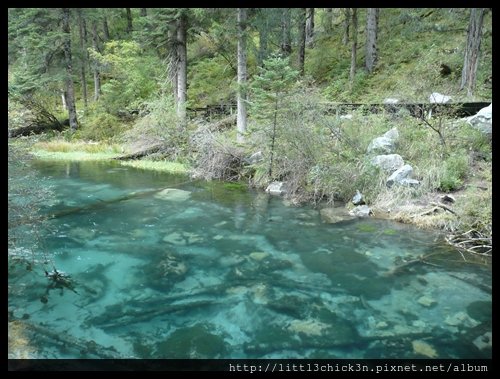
point(391, 101)
point(358, 198)
point(388, 162)
point(404, 172)
point(438, 98)
point(392, 134)
point(346, 117)
point(482, 120)
point(361, 211)
point(334, 215)
point(381, 145)
point(276, 188)
point(409, 182)
point(255, 158)
point(173, 194)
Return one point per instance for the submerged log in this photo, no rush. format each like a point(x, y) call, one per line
point(38, 128)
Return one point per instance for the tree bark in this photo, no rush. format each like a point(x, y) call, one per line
point(182, 67)
point(129, 20)
point(347, 22)
point(310, 27)
point(84, 56)
point(144, 12)
point(328, 20)
point(173, 64)
point(354, 49)
point(302, 40)
point(286, 39)
point(263, 32)
point(371, 38)
point(472, 49)
point(70, 94)
point(241, 121)
point(105, 28)
point(97, 74)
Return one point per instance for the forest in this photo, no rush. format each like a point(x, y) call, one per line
point(363, 119)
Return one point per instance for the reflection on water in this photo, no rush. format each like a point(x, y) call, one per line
point(206, 270)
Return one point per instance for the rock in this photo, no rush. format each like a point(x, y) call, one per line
point(426, 301)
point(346, 117)
point(392, 134)
point(484, 341)
point(461, 319)
point(447, 199)
point(334, 215)
point(437, 98)
point(423, 348)
point(381, 145)
point(381, 325)
point(276, 188)
point(391, 101)
point(358, 198)
point(309, 327)
point(173, 194)
point(401, 173)
point(409, 183)
point(482, 120)
point(255, 158)
point(388, 162)
point(361, 211)
point(258, 256)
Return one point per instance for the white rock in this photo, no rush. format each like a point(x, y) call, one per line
point(391, 101)
point(346, 117)
point(276, 188)
point(482, 120)
point(437, 98)
point(388, 162)
point(404, 172)
point(361, 211)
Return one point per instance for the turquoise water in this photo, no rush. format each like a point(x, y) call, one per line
point(206, 270)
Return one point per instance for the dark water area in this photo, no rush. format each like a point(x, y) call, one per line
point(165, 267)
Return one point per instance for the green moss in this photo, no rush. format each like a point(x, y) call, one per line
point(232, 186)
point(163, 166)
point(366, 228)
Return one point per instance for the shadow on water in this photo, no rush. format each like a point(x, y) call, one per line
point(213, 270)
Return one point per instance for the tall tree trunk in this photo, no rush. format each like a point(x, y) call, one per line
point(129, 20)
point(347, 22)
point(472, 49)
point(95, 68)
point(182, 67)
point(173, 59)
point(310, 27)
point(262, 54)
point(84, 56)
point(144, 12)
point(371, 38)
point(70, 94)
point(241, 120)
point(286, 39)
point(105, 28)
point(328, 22)
point(354, 49)
point(302, 40)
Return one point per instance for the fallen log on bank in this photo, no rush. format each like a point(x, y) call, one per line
point(38, 128)
point(142, 153)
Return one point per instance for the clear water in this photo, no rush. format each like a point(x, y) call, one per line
point(220, 272)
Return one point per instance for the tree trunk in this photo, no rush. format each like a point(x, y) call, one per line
point(144, 12)
point(302, 40)
point(241, 121)
point(70, 94)
point(286, 39)
point(63, 100)
point(354, 46)
point(84, 57)
point(129, 20)
point(371, 38)
point(262, 54)
point(182, 67)
point(173, 64)
point(310, 27)
point(347, 22)
point(471, 56)
point(328, 20)
point(105, 28)
point(97, 74)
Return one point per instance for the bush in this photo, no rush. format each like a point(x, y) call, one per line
point(456, 167)
point(99, 126)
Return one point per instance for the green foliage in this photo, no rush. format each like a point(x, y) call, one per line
point(456, 167)
point(100, 126)
point(129, 74)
